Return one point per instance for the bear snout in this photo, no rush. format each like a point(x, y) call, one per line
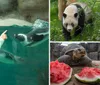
point(69, 28)
point(19, 37)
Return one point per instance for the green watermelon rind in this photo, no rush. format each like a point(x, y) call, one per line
point(96, 80)
point(66, 81)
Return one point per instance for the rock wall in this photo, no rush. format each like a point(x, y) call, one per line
point(7, 6)
point(33, 9)
point(93, 50)
point(29, 10)
point(55, 50)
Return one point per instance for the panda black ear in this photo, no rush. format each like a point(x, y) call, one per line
point(64, 15)
point(75, 15)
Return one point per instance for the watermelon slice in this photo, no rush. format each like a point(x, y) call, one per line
point(60, 73)
point(88, 75)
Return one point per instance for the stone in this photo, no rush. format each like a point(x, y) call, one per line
point(33, 9)
point(98, 47)
point(93, 55)
point(7, 5)
point(92, 47)
point(55, 50)
point(98, 56)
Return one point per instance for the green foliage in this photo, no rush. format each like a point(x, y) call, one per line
point(90, 33)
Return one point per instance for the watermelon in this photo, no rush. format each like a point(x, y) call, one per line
point(60, 73)
point(89, 75)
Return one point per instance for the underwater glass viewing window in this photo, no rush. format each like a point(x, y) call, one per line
point(22, 63)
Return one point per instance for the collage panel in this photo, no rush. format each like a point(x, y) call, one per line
point(24, 42)
point(74, 63)
point(74, 20)
point(35, 47)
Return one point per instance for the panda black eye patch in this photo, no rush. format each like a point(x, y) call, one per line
point(75, 15)
point(72, 24)
point(64, 15)
point(66, 24)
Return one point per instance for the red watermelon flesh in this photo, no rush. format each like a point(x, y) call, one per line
point(88, 74)
point(59, 72)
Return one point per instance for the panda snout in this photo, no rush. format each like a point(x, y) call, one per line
point(15, 35)
point(19, 37)
point(69, 30)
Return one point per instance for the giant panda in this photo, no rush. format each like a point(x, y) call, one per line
point(29, 38)
point(38, 32)
point(75, 16)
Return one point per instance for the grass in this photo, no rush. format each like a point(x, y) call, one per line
point(90, 33)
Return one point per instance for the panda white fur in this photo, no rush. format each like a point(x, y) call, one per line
point(74, 17)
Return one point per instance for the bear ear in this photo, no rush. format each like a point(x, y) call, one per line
point(64, 15)
point(75, 15)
